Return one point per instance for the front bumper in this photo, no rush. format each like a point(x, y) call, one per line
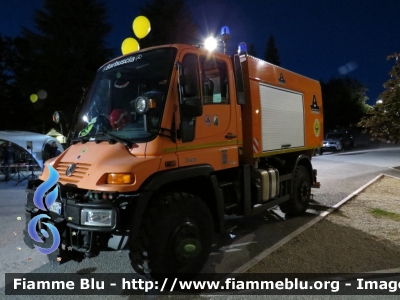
point(75, 238)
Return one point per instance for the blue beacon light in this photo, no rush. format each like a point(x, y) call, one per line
point(225, 30)
point(242, 48)
point(225, 36)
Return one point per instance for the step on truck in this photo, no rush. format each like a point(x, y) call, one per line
point(171, 140)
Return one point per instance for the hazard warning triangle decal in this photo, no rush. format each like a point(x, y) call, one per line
point(314, 106)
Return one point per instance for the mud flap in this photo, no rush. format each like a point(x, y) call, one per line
point(315, 184)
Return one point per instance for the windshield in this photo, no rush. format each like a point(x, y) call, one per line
point(109, 108)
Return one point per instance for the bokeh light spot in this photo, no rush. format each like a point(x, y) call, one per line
point(34, 98)
point(42, 94)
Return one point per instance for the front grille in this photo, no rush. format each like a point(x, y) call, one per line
point(76, 176)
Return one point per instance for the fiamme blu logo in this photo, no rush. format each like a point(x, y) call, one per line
point(44, 201)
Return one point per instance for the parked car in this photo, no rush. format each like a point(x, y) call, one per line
point(337, 141)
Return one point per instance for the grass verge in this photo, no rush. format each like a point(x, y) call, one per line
point(380, 213)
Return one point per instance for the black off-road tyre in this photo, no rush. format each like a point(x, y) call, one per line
point(298, 204)
point(175, 237)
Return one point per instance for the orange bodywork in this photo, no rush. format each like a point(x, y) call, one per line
point(95, 161)
point(224, 134)
point(259, 73)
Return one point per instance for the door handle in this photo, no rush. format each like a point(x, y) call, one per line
point(230, 136)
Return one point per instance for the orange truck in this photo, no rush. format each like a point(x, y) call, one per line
point(169, 142)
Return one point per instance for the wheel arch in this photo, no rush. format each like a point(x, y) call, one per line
point(296, 204)
point(303, 160)
point(193, 180)
point(165, 178)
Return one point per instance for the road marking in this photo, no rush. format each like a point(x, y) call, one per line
point(232, 250)
point(395, 168)
point(224, 248)
point(286, 239)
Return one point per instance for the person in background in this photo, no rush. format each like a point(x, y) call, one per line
point(53, 151)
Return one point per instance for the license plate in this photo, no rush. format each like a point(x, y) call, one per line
point(56, 207)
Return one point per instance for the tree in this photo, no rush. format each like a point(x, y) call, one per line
point(61, 56)
point(252, 50)
point(171, 22)
point(13, 115)
point(344, 101)
point(383, 120)
point(271, 52)
point(4, 76)
point(5, 99)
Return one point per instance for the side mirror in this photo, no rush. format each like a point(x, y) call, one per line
point(192, 108)
point(59, 117)
point(191, 105)
point(240, 94)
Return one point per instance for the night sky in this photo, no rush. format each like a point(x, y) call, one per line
point(320, 39)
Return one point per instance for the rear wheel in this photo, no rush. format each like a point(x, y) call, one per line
point(175, 237)
point(301, 193)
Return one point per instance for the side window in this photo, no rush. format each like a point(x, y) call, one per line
point(214, 81)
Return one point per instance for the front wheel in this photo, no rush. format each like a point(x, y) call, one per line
point(298, 203)
point(175, 237)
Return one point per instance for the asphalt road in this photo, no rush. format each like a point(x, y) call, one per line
point(340, 174)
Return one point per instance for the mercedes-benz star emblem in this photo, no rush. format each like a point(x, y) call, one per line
point(70, 169)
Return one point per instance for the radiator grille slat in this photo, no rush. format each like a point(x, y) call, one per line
point(76, 176)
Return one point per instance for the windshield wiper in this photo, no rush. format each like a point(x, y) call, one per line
point(102, 136)
point(112, 139)
point(83, 139)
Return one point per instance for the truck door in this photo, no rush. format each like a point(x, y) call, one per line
point(215, 133)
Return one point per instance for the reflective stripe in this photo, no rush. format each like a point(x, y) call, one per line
point(256, 148)
point(201, 146)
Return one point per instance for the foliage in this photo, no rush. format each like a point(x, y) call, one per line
point(377, 212)
point(171, 22)
point(60, 57)
point(271, 52)
point(344, 102)
point(383, 120)
point(251, 50)
point(12, 113)
point(4, 76)
point(5, 100)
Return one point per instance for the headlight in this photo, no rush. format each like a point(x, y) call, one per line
point(97, 217)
